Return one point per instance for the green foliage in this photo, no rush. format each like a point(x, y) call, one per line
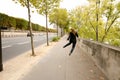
point(11, 22)
point(45, 6)
point(115, 42)
point(4, 19)
point(55, 39)
point(24, 2)
point(20, 24)
point(59, 17)
point(118, 6)
point(100, 17)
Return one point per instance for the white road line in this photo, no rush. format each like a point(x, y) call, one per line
point(5, 42)
point(7, 46)
point(23, 43)
point(35, 40)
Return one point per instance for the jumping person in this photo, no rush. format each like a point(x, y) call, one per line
point(72, 40)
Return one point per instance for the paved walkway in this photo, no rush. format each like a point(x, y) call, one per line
point(58, 65)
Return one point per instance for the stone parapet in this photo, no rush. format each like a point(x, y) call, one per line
point(106, 57)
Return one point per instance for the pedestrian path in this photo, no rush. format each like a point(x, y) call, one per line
point(58, 65)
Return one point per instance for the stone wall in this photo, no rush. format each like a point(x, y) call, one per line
point(106, 57)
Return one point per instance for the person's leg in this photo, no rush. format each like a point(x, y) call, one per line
point(67, 44)
point(73, 46)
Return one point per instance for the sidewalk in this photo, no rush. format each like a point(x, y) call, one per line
point(58, 65)
point(15, 68)
point(53, 63)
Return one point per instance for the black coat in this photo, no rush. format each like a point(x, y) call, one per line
point(72, 37)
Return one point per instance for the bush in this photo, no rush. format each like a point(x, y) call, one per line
point(116, 42)
point(55, 39)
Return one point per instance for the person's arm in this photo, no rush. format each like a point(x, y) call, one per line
point(68, 37)
point(76, 34)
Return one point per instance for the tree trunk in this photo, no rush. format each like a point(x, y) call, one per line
point(107, 29)
point(29, 25)
point(57, 30)
point(47, 31)
point(97, 19)
point(47, 25)
point(61, 32)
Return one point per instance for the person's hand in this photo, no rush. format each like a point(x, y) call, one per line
point(78, 39)
point(67, 38)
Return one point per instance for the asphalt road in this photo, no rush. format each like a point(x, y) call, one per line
point(12, 47)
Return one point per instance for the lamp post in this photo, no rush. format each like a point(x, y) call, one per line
point(1, 65)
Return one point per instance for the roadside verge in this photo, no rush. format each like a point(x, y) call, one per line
point(22, 64)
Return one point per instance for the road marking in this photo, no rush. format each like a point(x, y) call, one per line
point(23, 43)
point(5, 42)
point(35, 40)
point(7, 46)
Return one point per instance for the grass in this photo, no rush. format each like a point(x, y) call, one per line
point(55, 39)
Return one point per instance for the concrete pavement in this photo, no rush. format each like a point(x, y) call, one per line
point(58, 65)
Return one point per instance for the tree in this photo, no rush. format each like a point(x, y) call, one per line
point(59, 17)
point(45, 7)
point(21, 24)
point(95, 7)
point(111, 13)
point(27, 3)
point(106, 16)
point(11, 22)
point(53, 18)
point(4, 20)
point(96, 19)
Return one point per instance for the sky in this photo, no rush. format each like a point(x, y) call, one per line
point(10, 8)
point(70, 4)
